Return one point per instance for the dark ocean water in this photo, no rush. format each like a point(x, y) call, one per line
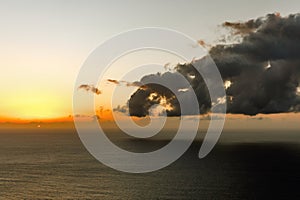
point(53, 164)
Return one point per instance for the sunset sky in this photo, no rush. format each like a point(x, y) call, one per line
point(44, 44)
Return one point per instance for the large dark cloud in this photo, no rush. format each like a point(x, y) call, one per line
point(263, 68)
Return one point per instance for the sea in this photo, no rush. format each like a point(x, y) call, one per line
point(52, 163)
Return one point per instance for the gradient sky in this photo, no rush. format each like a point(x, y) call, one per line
point(44, 43)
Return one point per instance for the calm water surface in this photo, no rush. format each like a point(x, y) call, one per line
point(53, 164)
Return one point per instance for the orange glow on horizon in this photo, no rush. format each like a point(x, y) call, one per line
point(107, 115)
point(36, 120)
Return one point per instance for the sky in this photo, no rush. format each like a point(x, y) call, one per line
point(44, 43)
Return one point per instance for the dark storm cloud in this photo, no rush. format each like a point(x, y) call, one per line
point(90, 88)
point(143, 99)
point(263, 69)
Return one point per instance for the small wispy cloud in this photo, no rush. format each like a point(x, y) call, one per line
point(90, 88)
point(138, 84)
